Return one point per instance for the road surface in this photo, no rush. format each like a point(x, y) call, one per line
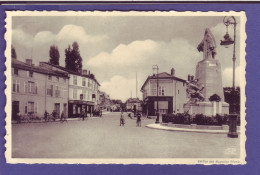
point(104, 138)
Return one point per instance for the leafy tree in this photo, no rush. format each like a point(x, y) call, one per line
point(229, 96)
point(73, 60)
point(13, 53)
point(54, 55)
point(215, 97)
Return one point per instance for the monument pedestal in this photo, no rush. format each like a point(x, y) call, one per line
point(207, 108)
point(208, 73)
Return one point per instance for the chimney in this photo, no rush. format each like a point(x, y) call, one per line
point(172, 71)
point(28, 61)
point(85, 72)
point(189, 77)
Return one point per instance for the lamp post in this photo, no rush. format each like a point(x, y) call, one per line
point(228, 41)
point(156, 68)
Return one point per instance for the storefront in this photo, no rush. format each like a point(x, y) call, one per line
point(165, 105)
point(76, 106)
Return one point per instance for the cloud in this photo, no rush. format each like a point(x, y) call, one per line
point(77, 33)
point(134, 53)
point(44, 37)
point(119, 87)
point(37, 46)
point(141, 55)
point(22, 38)
point(227, 76)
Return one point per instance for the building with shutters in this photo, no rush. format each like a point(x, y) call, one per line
point(82, 90)
point(133, 104)
point(36, 90)
point(171, 94)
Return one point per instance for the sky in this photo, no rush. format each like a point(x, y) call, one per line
point(116, 48)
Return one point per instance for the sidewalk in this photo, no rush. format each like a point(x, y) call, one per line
point(58, 119)
point(167, 128)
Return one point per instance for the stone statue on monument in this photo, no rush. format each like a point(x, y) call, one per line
point(208, 45)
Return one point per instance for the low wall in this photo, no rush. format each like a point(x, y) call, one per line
point(195, 126)
point(207, 108)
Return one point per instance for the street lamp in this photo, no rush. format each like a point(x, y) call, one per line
point(156, 69)
point(228, 41)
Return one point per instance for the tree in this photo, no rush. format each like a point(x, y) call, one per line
point(73, 60)
point(54, 55)
point(13, 53)
point(228, 97)
point(214, 97)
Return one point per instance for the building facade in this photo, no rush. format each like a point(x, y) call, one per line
point(82, 90)
point(171, 94)
point(133, 104)
point(36, 90)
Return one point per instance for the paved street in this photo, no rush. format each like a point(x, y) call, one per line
point(104, 138)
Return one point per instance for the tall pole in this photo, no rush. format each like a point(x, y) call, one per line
point(157, 120)
point(232, 117)
point(136, 84)
point(157, 96)
point(234, 68)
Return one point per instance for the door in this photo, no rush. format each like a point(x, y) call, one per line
point(57, 108)
point(15, 109)
point(65, 109)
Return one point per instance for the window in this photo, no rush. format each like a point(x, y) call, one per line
point(25, 87)
point(50, 90)
point(25, 108)
point(88, 83)
point(57, 78)
point(64, 95)
point(49, 77)
point(84, 94)
point(30, 107)
point(74, 109)
point(31, 74)
point(74, 93)
point(178, 91)
point(16, 85)
point(57, 91)
point(75, 80)
point(64, 79)
point(183, 84)
point(83, 81)
point(16, 71)
point(161, 90)
point(32, 87)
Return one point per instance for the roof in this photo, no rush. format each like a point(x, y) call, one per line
point(133, 100)
point(72, 72)
point(162, 75)
point(24, 66)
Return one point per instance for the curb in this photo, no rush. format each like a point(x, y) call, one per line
point(160, 127)
point(58, 120)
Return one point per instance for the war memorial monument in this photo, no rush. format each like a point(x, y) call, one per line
point(207, 82)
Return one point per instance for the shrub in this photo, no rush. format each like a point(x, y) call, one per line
point(215, 97)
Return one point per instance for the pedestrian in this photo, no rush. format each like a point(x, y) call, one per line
point(138, 120)
point(54, 115)
point(122, 120)
point(62, 117)
point(19, 117)
point(82, 114)
point(100, 113)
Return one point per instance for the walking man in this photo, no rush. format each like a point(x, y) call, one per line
point(82, 114)
point(138, 120)
point(122, 120)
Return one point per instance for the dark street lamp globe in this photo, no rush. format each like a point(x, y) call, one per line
point(228, 41)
